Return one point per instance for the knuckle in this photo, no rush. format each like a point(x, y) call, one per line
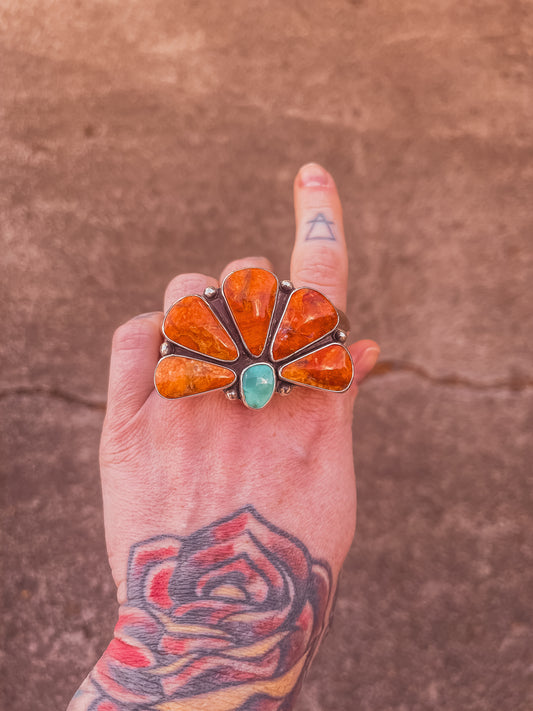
point(324, 200)
point(185, 284)
point(319, 201)
point(133, 335)
point(322, 268)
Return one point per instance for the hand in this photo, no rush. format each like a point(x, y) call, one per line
point(170, 468)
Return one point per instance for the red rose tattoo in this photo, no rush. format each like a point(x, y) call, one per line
point(227, 618)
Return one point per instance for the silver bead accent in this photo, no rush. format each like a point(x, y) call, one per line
point(286, 285)
point(340, 335)
point(210, 292)
point(231, 394)
point(165, 348)
point(284, 388)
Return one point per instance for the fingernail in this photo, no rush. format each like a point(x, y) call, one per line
point(148, 314)
point(313, 175)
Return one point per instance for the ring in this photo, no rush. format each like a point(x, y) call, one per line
point(252, 337)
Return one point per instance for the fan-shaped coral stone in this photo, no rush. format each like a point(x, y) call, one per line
point(308, 316)
point(251, 295)
point(191, 323)
point(330, 368)
point(178, 376)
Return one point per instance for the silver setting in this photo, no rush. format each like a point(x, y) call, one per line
point(191, 350)
point(280, 319)
point(243, 399)
point(286, 285)
point(315, 387)
point(210, 292)
point(340, 335)
point(165, 349)
point(206, 392)
point(216, 302)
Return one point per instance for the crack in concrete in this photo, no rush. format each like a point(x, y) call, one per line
point(383, 368)
point(55, 393)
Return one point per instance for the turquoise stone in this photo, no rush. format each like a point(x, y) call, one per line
point(257, 385)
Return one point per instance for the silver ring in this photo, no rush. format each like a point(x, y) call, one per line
point(253, 337)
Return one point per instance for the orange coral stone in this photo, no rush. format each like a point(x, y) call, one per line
point(330, 368)
point(178, 376)
point(308, 316)
point(251, 295)
point(191, 323)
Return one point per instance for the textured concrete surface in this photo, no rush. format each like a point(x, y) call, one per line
point(138, 140)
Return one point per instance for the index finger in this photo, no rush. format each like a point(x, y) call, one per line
point(319, 258)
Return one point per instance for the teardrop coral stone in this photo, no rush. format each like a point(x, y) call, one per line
point(251, 295)
point(178, 376)
point(191, 323)
point(308, 316)
point(330, 368)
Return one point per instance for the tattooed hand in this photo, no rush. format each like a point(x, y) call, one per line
point(226, 527)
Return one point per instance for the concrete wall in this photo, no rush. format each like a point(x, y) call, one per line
point(142, 139)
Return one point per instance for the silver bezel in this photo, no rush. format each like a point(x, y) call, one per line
point(308, 345)
point(205, 392)
point(191, 350)
point(274, 389)
point(316, 387)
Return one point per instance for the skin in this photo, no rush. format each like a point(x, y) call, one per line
point(171, 467)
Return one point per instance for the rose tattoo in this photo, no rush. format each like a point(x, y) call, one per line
point(225, 619)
